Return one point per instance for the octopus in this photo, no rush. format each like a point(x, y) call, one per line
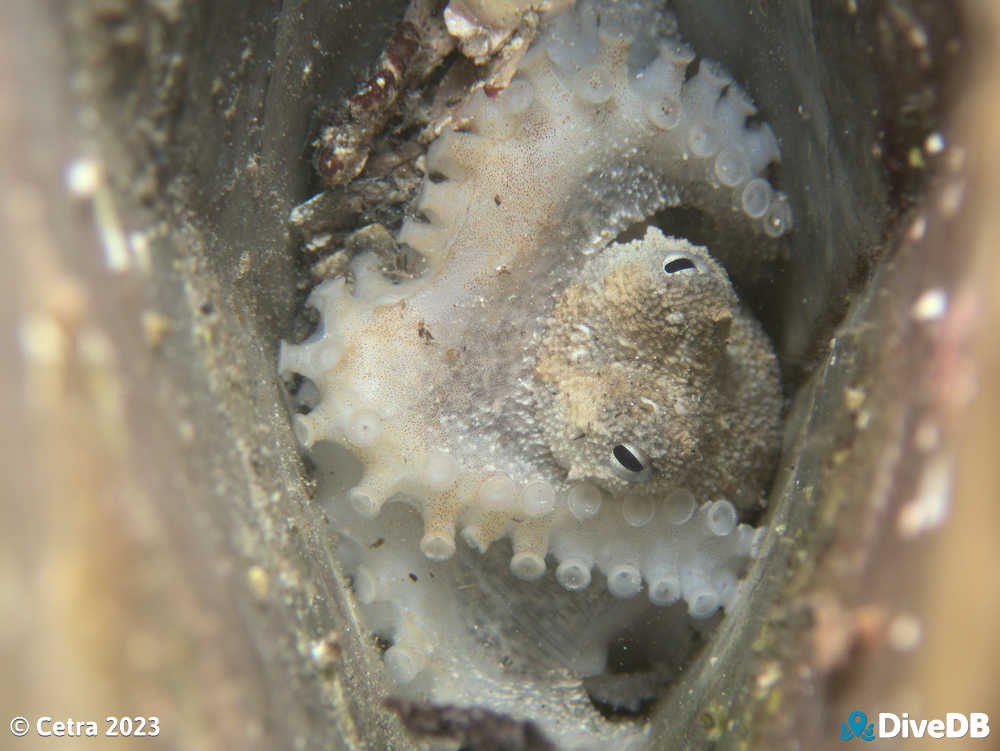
point(557, 373)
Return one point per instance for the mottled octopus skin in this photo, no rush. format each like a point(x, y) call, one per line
point(491, 391)
point(665, 362)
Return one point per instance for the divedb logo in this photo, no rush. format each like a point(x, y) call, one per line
point(889, 725)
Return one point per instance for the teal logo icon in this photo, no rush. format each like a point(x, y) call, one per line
point(857, 727)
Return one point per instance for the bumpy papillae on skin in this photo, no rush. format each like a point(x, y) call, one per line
point(495, 392)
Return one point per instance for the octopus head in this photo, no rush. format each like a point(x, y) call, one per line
point(637, 368)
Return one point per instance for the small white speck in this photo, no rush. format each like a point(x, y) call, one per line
point(319, 242)
point(171, 9)
point(932, 503)
point(918, 230)
point(931, 305)
point(301, 213)
point(918, 38)
point(84, 177)
point(324, 651)
point(42, 340)
point(117, 255)
point(934, 143)
point(769, 676)
point(139, 245)
point(905, 633)
point(652, 405)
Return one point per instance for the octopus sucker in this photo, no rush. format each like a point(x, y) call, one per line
point(601, 415)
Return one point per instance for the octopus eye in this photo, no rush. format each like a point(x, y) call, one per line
point(629, 463)
point(677, 263)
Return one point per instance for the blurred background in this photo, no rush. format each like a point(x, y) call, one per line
point(159, 555)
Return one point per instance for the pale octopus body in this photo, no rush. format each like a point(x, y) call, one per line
point(603, 405)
